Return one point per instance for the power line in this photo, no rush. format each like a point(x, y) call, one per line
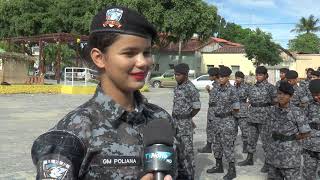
point(266, 24)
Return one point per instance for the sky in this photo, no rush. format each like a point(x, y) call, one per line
point(277, 17)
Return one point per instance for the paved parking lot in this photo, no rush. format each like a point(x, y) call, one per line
point(23, 117)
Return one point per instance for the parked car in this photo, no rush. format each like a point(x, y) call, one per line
point(167, 79)
point(202, 81)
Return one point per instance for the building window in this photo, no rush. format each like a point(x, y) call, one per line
point(235, 69)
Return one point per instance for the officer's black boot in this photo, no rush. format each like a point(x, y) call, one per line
point(245, 147)
point(218, 168)
point(248, 161)
point(206, 148)
point(231, 172)
point(265, 168)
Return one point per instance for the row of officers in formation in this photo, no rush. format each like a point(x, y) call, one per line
point(286, 116)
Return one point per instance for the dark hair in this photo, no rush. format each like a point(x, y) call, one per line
point(101, 41)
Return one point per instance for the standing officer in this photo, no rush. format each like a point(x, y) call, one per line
point(186, 104)
point(311, 154)
point(287, 126)
point(305, 83)
point(214, 77)
point(283, 72)
point(242, 117)
point(300, 97)
point(226, 103)
point(261, 96)
point(102, 138)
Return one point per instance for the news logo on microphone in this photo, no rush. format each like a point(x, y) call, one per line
point(159, 155)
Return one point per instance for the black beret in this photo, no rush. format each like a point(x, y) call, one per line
point(284, 70)
point(213, 71)
point(314, 86)
point(292, 74)
point(261, 70)
point(182, 68)
point(122, 20)
point(239, 74)
point(224, 71)
point(315, 73)
point(286, 88)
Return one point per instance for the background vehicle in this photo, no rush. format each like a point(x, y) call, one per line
point(167, 79)
point(202, 81)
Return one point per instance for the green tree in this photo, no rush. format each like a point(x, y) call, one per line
point(307, 25)
point(179, 19)
point(234, 33)
point(261, 49)
point(67, 55)
point(305, 43)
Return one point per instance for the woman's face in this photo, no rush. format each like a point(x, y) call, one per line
point(126, 62)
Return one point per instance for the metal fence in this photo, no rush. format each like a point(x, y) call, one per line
point(78, 76)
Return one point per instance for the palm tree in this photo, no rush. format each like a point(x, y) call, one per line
point(307, 25)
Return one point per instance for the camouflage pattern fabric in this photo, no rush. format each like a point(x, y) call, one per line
point(304, 84)
point(186, 98)
point(286, 154)
point(242, 116)
point(263, 94)
point(226, 100)
point(281, 174)
point(311, 155)
point(299, 97)
point(109, 133)
point(210, 115)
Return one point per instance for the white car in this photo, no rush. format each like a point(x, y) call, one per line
point(202, 81)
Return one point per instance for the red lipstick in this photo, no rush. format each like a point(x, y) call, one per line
point(138, 75)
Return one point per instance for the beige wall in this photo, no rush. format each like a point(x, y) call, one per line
point(305, 61)
point(14, 71)
point(246, 66)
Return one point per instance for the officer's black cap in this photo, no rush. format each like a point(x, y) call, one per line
point(314, 86)
point(224, 71)
point(315, 73)
point(213, 71)
point(284, 70)
point(292, 74)
point(261, 70)
point(122, 20)
point(182, 68)
point(239, 74)
point(286, 88)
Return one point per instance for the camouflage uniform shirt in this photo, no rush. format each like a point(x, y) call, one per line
point(261, 93)
point(186, 98)
point(286, 121)
point(108, 131)
point(243, 93)
point(313, 116)
point(226, 99)
point(299, 97)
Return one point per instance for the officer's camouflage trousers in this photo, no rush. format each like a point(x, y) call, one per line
point(242, 122)
point(281, 173)
point(185, 154)
point(224, 138)
point(310, 165)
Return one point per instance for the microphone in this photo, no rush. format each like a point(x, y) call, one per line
point(158, 157)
